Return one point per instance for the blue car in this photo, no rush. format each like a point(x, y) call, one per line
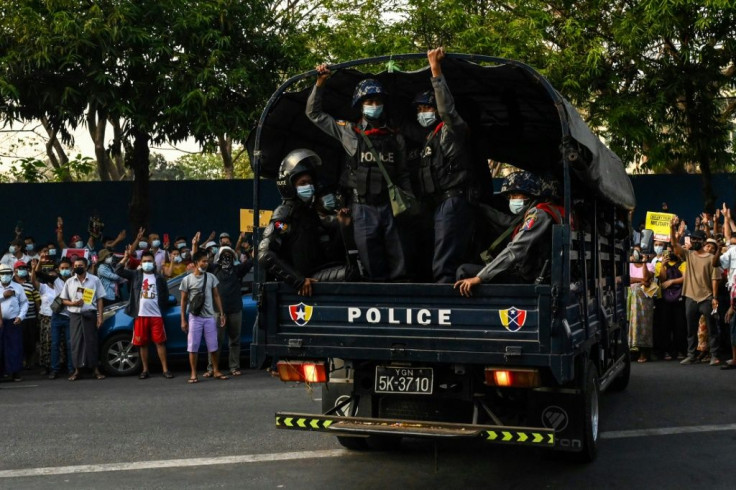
point(118, 355)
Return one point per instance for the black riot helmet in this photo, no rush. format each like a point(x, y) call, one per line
point(295, 163)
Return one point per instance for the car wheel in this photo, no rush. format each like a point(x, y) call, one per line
point(119, 357)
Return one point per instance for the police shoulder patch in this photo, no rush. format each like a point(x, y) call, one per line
point(529, 220)
point(341, 122)
point(281, 227)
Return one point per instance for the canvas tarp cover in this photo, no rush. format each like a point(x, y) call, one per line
point(511, 111)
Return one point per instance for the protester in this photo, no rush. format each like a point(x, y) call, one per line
point(30, 323)
point(47, 294)
point(82, 295)
point(15, 254)
point(14, 307)
point(200, 320)
point(641, 305)
point(148, 300)
point(671, 273)
point(61, 344)
point(105, 270)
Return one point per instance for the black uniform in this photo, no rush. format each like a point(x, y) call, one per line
point(441, 177)
point(298, 244)
point(522, 260)
point(376, 235)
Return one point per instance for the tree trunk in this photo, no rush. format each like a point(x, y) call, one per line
point(54, 150)
point(116, 149)
point(139, 203)
point(97, 126)
point(226, 152)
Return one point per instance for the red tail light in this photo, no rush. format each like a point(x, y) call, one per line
point(517, 378)
point(305, 371)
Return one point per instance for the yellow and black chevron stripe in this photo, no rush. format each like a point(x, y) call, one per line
point(303, 423)
point(520, 437)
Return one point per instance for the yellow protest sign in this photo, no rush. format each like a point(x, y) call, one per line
point(247, 218)
point(88, 295)
point(659, 223)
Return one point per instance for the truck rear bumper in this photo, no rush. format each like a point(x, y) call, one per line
point(361, 426)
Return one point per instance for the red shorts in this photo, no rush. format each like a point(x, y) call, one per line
point(147, 328)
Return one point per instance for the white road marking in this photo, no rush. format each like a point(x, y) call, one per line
point(666, 431)
point(172, 463)
point(17, 387)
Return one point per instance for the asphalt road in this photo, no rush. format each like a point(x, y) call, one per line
point(220, 434)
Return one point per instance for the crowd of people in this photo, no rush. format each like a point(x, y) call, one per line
point(682, 293)
point(53, 297)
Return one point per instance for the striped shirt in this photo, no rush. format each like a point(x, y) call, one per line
point(34, 298)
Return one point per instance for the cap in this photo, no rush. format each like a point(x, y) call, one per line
point(19, 263)
point(712, 240)
point(224, 234)
point(104, 253)
point(5, 268)
point(209, 244)
point(697, 235)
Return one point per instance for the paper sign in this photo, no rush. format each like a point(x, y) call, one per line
point(71, 253)
point(247, 219)
point(87, 296)
point(659, 223)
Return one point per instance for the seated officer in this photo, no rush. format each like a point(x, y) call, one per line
point(523, 259)
point(296, 243)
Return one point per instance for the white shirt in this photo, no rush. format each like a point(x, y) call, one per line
point(15, 306)
point(728, 261)
point(47, 297)
point(58, 288)
point(74, 289)
point(148, 302)
point(10, 260)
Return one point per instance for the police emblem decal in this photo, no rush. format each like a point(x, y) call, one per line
point(300, 314)
point(512, 318)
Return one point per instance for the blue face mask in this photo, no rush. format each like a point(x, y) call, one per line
point(22, 273)
point(5, 278)
point(658, 250)
point(143, 245)
point(65, 272)
point(305, 192)
point(11, 249)
point(517, 205)
point(52, 252)
point(213, 250)
point(147, 266)
point(79, 244)
point(30, 247)
point(177, 259)
point(373, 111)
point(426, 119)
point(328, 202)
point(156, 243)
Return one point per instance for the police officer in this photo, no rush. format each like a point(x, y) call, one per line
point(442, 171)
point(376, 235)
point(293, 248)
point(523, 259)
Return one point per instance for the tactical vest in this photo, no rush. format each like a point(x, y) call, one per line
point(555, 211)
point(301, 244)
point(364, 176)
point(437, 173)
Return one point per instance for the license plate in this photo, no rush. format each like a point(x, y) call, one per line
point(408, 380)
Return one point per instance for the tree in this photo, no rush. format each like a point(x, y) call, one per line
point(167, 68)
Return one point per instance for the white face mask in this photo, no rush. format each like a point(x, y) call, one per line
point(108, 260)
point(426, 119)
point(517, 205)
point(658, 250)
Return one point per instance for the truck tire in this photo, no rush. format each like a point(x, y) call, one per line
point(589, 398)
point(353, 443)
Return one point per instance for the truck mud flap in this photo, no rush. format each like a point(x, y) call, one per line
point(360, 426)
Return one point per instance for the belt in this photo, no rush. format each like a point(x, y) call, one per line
point(438, 198)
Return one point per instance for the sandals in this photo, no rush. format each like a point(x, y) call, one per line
point(99, 376)
point(236, 372)
point(73, 377)
point(207, 374)
point(144, 375)
point(642, 360)
point(193, 380)
point(168, 375)
point(728, 365)
point(221, 376)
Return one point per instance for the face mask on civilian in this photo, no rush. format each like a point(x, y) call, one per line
point(5, 278)
point(516, 205)
point(11, 249)
point(658, 250)
point(30, 247)
point(22, 273)
point(373, 111)
point(79, 244)
point(143, 245)
point(426, 118)
point(108, 260)
point(328, 201)
point(177, 259)
point(65, 272)
point(202, 270)
point(212, 250)
point(52, 252)
point(185, 255)
point(79, 270)
point(305, 192)
point(147, 266)
point(156, 243)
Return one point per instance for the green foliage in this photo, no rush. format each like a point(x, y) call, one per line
point(34, 171)
point(198, 166)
